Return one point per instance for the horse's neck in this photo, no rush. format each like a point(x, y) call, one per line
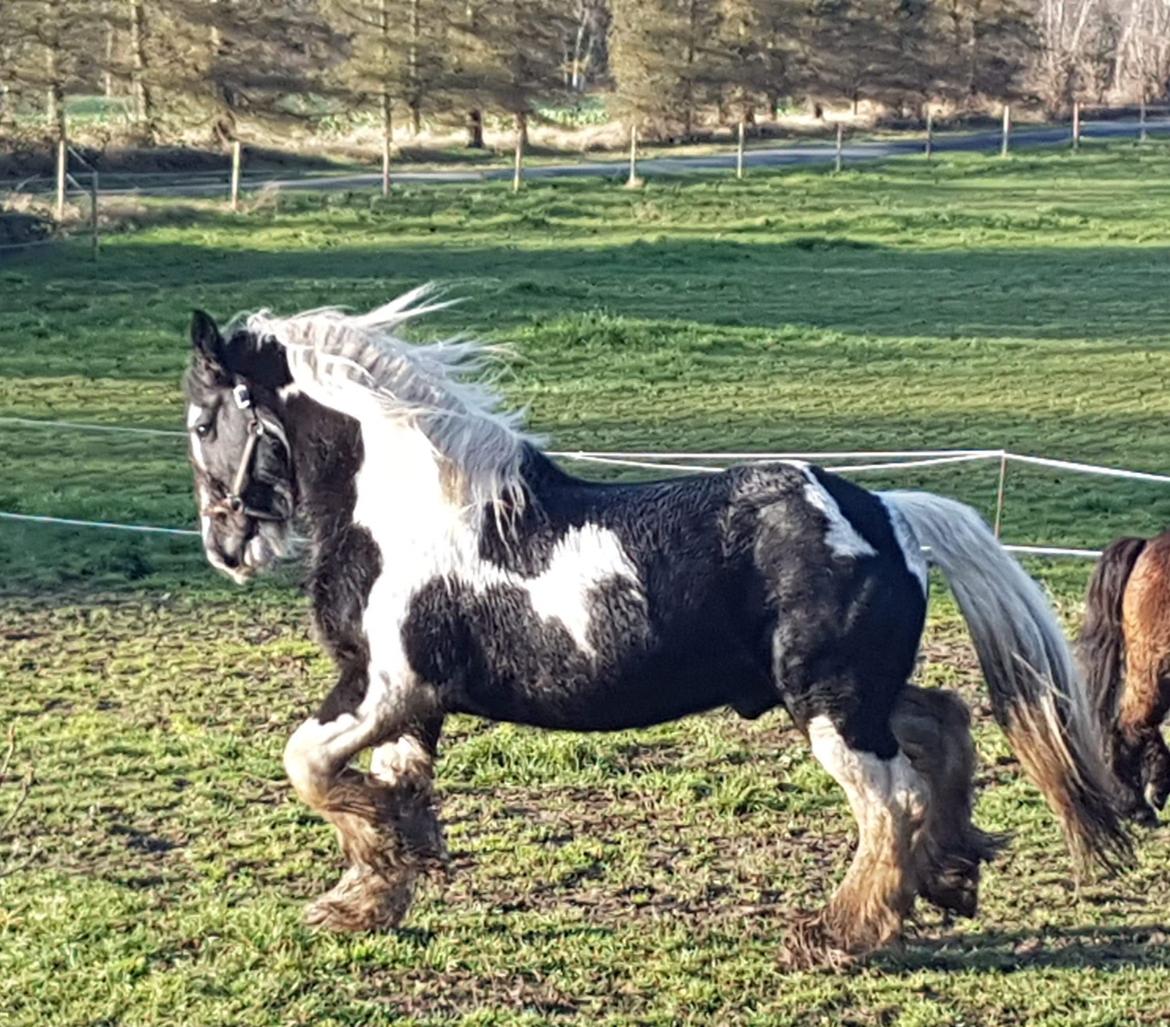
point(401, 496)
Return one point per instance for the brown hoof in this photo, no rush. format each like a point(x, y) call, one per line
point(363, 900)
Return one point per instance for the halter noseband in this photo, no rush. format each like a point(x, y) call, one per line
point(234, 500)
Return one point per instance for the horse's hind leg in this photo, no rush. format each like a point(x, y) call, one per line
point(933, 728)
point(386, 820)
point(889, 799)
point(1141, 753)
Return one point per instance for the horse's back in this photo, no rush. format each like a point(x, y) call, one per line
point(620, 606)
point(1146, 603)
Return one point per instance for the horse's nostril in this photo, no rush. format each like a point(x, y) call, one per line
point(235, 504)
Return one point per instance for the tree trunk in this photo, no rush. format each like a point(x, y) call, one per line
point(108, 68)
point(575, 77)
point(475, 129)
point(521, 140)
point(689, 92)
point(386, 104)
point(412, 63)
point(53, 98)
point(140, 91)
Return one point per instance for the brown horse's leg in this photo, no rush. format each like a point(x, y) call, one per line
point(889, 800)
point(1141, 751)
point(933, 728)
point(1145, 699)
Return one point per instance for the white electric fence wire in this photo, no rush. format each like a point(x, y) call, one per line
point(889, 460)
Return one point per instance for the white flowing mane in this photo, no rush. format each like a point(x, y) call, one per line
point(443, 389)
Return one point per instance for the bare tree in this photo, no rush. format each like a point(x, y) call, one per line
point(1143, 50)
point(1065, 32)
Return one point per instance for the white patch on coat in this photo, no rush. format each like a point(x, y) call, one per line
point(316, 751)
point(194, 413)
point(404, 757)
point(583, 559)
point(841, 537)
point(879, 791)
point(423, 535)
point(907, 542)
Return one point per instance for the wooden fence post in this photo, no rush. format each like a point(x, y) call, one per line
point(632, 181)
point(929, 132)
point(1142, 136)
point(840, 144)
point(93, 211)
point(1076, 126)
point(739, 151)
point(1007, 130)
point(236, 160)
point(521, 132)
point(62, 160)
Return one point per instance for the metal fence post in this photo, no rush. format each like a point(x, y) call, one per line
point(1142, 120)
point(1076, 125)
point(999, 495)
point(1007, 130)
point(929, 132)
point(840, 143)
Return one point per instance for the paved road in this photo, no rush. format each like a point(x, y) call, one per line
point(203, 184)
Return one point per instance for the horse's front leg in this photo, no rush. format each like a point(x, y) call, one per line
point(386, 820)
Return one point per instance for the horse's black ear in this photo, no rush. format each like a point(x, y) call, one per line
point(206, 340)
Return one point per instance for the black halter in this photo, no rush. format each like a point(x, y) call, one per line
point(234, 500)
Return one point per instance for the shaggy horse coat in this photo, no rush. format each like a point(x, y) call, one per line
point(1125, 648)
point(455, 568)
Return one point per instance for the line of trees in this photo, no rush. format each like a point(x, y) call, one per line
point(206, 65)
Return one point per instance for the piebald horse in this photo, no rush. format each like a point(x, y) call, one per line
point(456, 568)
point(1125, 647)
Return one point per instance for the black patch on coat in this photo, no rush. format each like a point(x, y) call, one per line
point(346, 561)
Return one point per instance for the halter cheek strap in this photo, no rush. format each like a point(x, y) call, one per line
point(234, 500)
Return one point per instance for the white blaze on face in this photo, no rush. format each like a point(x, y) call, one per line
point(194, 413)
point(204, 519)
point(841, 537)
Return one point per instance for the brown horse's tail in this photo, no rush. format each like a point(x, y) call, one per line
point(1102, 643)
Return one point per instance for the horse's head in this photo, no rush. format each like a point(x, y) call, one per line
point(239, 447)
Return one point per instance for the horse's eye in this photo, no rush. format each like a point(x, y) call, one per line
point(202, 429)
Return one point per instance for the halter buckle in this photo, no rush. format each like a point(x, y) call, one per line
point(242, 396)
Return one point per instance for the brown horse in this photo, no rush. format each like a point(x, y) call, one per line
point(1125, 648)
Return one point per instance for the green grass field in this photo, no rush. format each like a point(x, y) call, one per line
point(153, 863)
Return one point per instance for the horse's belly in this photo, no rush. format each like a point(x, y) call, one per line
point(491, 652)
point(555, 688)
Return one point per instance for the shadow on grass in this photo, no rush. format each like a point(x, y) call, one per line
point(1101, 948)
point(821, 281)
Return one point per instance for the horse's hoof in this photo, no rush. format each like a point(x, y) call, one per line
point(812, 945)
point(363, 900)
